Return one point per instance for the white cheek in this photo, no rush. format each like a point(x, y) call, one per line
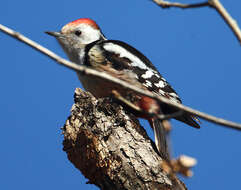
point(89, 35)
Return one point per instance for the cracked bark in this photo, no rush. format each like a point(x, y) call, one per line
point(110, 148)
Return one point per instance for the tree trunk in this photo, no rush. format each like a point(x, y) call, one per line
point(111, 149)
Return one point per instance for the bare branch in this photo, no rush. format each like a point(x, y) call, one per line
point(227, 18)
point(210, 3)
point(107, 77)
point(167, 4)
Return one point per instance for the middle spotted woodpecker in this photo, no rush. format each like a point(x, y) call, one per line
point(84, 43)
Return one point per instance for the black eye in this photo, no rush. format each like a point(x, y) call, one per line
point(77, 32)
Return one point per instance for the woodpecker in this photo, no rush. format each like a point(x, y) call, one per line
point(85, 44)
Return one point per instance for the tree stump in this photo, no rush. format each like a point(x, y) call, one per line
point(110, 148)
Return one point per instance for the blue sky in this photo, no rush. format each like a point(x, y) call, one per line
point(194, 50)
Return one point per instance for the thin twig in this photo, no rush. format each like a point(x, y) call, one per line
point(210, 3)
point(226, 17)
point(107, 77)
point(167, 4)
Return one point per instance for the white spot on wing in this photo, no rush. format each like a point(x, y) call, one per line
point(158, 76)
point(174, 99)
point(147, 83)
point(161, 92)
point(148, 74)
point(160, 84)
point(164, 79)
point(136, 62)
point(173, 94)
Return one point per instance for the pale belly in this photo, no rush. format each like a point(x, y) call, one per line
point(97, 86)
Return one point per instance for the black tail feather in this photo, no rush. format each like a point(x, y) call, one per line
point(160, 138)
point(189, 119)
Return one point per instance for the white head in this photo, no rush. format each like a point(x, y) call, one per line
point(75, 35)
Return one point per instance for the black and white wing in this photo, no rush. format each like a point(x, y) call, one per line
point(123, 56)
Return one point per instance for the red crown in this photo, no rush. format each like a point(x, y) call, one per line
point(86, 21)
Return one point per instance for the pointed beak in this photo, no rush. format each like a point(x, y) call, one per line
point(54, 34)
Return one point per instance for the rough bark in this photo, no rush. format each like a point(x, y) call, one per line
point(111, 149)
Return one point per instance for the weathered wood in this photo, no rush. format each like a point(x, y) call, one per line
point(111, 149)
